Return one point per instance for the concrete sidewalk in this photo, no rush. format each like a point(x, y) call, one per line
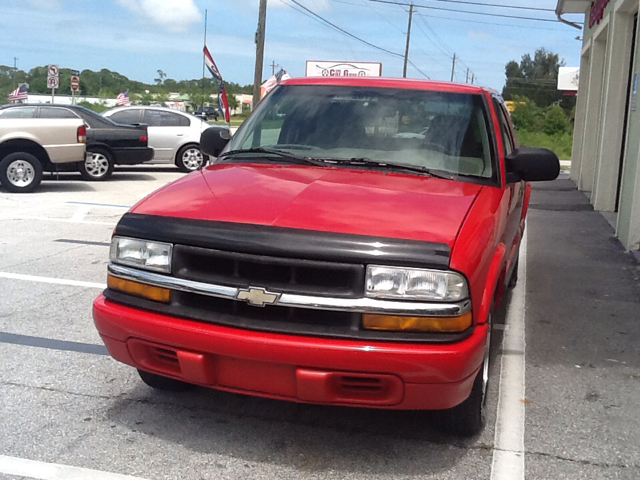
point(583, 342)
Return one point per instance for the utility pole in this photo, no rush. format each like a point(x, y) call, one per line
point(467, 80)
point(473, 78)
point(406, 50)
point(260, 32)
point(453, 68)
point(273, 67)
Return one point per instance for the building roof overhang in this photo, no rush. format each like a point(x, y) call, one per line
point(572, 6)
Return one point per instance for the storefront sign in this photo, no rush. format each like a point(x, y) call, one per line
point(343, 69)
point(597, 11)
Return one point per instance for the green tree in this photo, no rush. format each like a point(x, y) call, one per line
point(537, 78)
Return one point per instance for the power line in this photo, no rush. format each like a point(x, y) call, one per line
point(344, 32)
point(495, 5)
point(517, 17)
point(463, 20)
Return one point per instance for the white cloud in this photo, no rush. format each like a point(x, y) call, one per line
point(176, 15)
point(475, 35)
point(314, 5)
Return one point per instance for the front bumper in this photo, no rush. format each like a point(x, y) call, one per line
point(293, 367)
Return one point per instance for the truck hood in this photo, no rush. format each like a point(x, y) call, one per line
point(335, 199)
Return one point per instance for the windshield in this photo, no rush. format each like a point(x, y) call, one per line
point(434, 130)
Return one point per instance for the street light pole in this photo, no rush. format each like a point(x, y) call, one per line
point(260, 32)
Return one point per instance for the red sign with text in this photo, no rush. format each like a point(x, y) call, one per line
point(597, 11)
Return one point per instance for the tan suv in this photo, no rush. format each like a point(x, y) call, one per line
point(29, 146)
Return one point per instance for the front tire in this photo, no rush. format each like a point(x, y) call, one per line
point(469, 418)
point(20, 172)
point(163, 383)
point(98, 166)
point(189, 158)
point(514, 275)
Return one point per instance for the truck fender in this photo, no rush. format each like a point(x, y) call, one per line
point(491, 284)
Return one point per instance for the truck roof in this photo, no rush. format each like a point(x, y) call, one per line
point(388, 82)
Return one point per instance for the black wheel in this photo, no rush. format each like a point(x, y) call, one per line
point(163, 383)
point(469, 418)
point(514, 275)
point(98, 165)
point(20, 172)
point(189, 158)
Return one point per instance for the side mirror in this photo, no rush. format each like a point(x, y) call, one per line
point(532, 164)
point(213, 140)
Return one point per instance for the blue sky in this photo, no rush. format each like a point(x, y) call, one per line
point(138, 37)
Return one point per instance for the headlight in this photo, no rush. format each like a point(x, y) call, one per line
point(143, 254)
point(415, 284)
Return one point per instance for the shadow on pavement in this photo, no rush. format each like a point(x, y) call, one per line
point(309, 438)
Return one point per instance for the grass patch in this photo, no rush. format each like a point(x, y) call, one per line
point(559, 143)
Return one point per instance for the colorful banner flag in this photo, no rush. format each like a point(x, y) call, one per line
point(223, 101)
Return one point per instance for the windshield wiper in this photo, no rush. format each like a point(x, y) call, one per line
point(270, 151)
point(387, 165)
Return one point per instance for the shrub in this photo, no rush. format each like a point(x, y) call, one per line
point(555, 121)
point(526, 115)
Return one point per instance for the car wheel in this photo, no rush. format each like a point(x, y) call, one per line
point(189, 158)
point(514, 275)
point(469, 418)
point(163, 383)
point(20, 172)
point(98, 165)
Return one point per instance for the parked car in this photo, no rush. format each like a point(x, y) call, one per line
point(108, 144)
point(174, 135)
point(29, 146)
point(324, 259)
point(207, 113)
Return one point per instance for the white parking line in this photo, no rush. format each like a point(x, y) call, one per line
point(81, 212)
point(56, 281)
point(508, 451)
point(53, 471)
point(62, 220)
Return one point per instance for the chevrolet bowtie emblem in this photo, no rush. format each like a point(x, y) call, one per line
point(258, 297)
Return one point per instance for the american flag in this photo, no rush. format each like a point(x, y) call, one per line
point(123, 98)
point(20, 93)
point(223, 102)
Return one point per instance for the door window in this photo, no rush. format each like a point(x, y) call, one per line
point(54, 112)
point(127, 117)
point(159, 118)
point(505, 130)
point(18, 112)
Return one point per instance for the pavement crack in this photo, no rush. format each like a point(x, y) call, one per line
point(59, 390)
point(582, 461)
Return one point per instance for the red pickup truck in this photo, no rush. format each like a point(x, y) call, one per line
point(346, 247)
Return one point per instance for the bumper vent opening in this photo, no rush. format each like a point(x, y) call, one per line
point(360, 385)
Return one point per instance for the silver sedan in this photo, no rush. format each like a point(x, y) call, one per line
point(173, 135)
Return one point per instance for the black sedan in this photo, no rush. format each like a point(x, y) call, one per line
point(108, 143)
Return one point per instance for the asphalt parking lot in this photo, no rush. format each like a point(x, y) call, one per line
point(562, 404)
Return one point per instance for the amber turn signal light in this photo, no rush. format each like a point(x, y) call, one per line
point(143, 290)
point(417, 324)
